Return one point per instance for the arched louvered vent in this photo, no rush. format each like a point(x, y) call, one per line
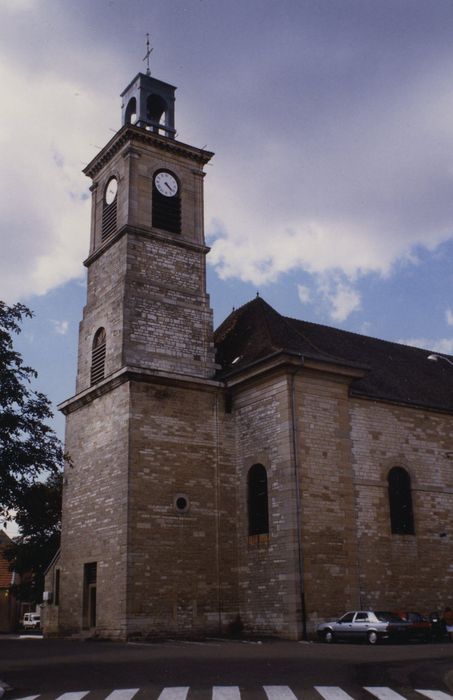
point(98, 356)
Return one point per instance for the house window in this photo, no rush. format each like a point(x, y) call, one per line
point(257, 500)
point(400, 501)
point(98, 356)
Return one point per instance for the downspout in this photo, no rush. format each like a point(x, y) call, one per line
point(216, 502)
point(300, 558)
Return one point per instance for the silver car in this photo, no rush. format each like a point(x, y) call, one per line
point(366, 625)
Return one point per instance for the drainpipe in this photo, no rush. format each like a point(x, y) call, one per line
point(300, 558)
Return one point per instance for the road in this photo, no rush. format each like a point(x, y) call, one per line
point(49, 668)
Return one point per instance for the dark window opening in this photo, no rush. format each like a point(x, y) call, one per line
point(400, 501)
point(258, 517)
point(98, 356)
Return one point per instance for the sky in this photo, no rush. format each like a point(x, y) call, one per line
point(331, 190)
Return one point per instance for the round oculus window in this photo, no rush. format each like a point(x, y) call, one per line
point(181, 503)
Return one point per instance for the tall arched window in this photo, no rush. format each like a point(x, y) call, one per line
point(257, 500)
point(400, 501)
point(98, 356)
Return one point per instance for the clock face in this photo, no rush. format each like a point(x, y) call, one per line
point(111, 190)
point(166, 184)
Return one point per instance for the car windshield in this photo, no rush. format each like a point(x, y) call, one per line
point(385, 616)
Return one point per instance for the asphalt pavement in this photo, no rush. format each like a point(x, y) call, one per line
point(50, 668)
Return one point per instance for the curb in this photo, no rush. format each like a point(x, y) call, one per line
point(448, 680)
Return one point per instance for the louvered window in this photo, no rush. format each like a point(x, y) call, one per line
point(166, 212)
point(109, 220)
point(98, 356)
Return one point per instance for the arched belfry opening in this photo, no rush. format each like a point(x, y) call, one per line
point(131, 112)
point(150, 103)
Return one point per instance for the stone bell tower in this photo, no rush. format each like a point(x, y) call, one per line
point(140, 536)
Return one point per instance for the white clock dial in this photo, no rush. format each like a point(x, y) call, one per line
point(111, 190)
point(166, 184)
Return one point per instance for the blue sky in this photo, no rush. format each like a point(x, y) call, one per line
point(331, 191)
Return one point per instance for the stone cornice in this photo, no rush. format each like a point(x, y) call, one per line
point(133, 134)
point(281, 359)
point(174, 239)
point(136, 374)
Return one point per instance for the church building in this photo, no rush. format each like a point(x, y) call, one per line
point(257, 479)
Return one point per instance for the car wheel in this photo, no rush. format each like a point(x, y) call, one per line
point(372, 637)
point(328, 636)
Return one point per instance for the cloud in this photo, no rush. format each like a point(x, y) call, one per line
point(45, 217)
point(60, 327)
point(303, 293)
point(444, 346)
point(449, 317)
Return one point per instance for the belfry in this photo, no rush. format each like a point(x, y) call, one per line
point(260, 478)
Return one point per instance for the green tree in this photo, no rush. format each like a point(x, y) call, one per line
point(39, 520)
point(29, 448)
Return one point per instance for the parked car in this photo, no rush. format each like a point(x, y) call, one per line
point(438, 628)
point(32, 621)
point(417, 626)
point(365, 625)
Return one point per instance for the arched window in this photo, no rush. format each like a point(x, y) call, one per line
point(98, 356)
point(400, 501)
point(257, 500)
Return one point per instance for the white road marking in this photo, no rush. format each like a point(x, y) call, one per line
point(226, 692)
point(332, 692)
point(122, 694)
point(383, 693)
point(74, 696)
point(435, 694)
point(176, 693)
point(279, 692)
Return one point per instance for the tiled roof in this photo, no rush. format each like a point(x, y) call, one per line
point(393, 371)
point(5, 573)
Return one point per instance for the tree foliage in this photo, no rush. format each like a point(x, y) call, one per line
point(39, 520)
point(29, 448)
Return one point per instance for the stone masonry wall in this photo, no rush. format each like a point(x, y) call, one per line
point(328, 509)
point(104, 308)
point(167, 313)
point(404, 571)
point(95, 512)
point(181, 564)
point(268, 579)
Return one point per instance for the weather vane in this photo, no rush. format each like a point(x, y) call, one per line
point(147, 55)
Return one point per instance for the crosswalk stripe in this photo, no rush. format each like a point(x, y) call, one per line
point(332, 692)
point(123, 694)
point(74, 696)
point(435, 694)
point(383, 693)
point(176, 693)
point(279, 692)
point(226, 692)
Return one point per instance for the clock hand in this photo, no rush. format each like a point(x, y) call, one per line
point(168, 186)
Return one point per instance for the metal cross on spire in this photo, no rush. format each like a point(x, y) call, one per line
point(147, 55)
